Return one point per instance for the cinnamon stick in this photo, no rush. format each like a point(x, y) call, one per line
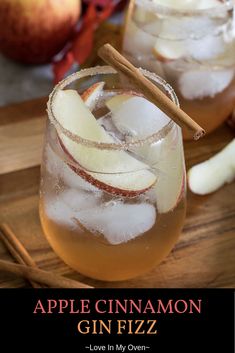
point(32, 273)
point(16, 249)
point(21, 255)
point(150, 91)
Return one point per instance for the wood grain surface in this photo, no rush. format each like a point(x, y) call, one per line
point(204, 254)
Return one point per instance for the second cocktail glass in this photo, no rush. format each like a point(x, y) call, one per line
point(191, 45)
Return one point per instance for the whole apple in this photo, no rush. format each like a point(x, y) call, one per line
point(33, 31)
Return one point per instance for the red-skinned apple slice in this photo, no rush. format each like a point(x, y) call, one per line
point(171, 182)
point(91, 95)
point(168, 157)
point(111, 170)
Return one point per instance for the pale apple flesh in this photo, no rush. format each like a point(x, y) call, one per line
point(114, 171)
point(208, 176)
point(167, 51)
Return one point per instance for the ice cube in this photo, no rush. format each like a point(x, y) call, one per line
point(60, 213)
point(139, 118)
point(119, 222)
point(59, 169)
point(79, 200)
point(206, 48)
point(65, 207)
point(73, 180)
point(107, 123)
point(179, 38)
point(204, 83)
point(188, 37)
point(138, 42)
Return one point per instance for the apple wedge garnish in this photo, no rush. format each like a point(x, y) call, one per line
point(166, 50)
point(114, 171)
point(171, 182)
point(168, 158)
point(92, 94)
point(210, 175)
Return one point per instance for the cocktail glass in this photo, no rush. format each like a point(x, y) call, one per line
point(192, 47)
point(112, 199)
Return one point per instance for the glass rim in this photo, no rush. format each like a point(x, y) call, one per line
point(97, 70)
point(169, 11)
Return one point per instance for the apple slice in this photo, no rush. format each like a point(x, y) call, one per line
point(210, 175)
point(91, 95)
point(167, 50)
point(111, 170)
point(171, 182)
point(168, 158)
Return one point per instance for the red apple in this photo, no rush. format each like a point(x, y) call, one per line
point(33, 31)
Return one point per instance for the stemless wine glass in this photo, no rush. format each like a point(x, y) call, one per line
point(193, 49)
point(111, 209)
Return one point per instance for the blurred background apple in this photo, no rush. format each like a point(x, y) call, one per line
point(33, 31)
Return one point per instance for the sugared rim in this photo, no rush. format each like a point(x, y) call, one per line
point(101, 145)
point(226, 6)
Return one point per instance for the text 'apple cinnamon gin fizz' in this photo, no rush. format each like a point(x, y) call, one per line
point(191, 43)
point(112, 200)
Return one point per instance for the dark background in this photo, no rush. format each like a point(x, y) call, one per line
point(213, 328)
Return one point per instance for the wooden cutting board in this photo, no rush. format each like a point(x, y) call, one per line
point(204, 254)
